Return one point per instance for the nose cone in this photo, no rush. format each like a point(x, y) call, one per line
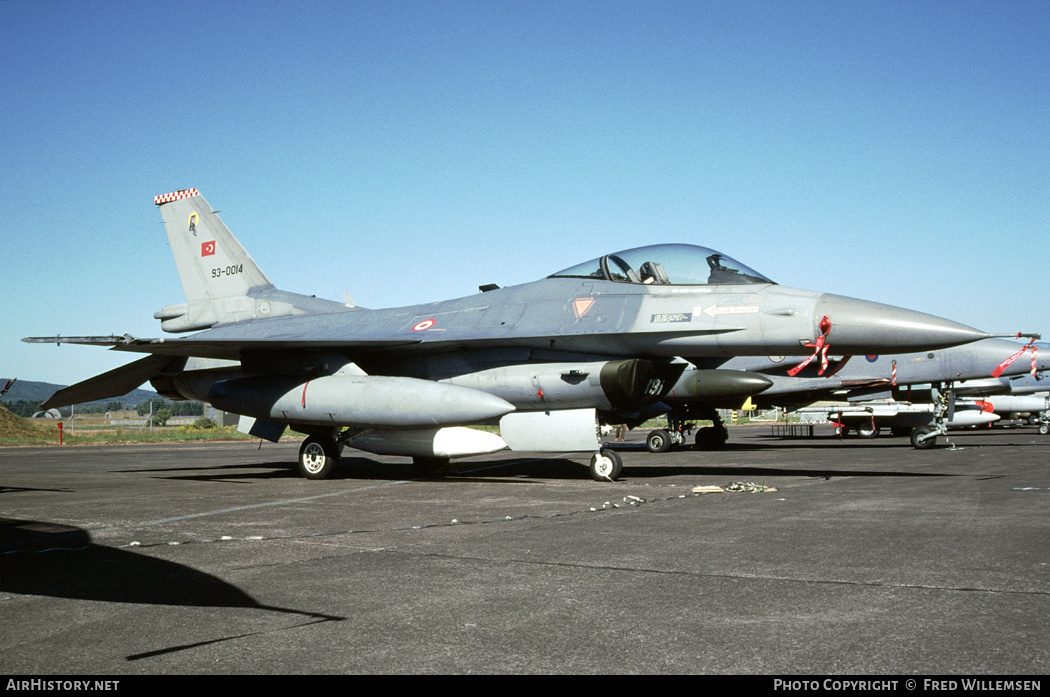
point(1004, 357)
point(861, 327)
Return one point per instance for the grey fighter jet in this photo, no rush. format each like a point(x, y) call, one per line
point(1015, 377)
point(542, 358)
point(861, 384)
point(1015, 396)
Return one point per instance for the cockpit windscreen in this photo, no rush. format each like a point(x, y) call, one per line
point(667, 264)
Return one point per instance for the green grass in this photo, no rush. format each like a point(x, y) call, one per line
point(23, 432)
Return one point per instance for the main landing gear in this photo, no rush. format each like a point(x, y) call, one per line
point(712, 437)
point(318, 457)
point(661, 440)
point(707, 438)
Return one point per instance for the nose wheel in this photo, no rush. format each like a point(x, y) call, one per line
point(606, 466)
point(924, 437)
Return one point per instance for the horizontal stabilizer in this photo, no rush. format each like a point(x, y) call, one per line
point(115, 383)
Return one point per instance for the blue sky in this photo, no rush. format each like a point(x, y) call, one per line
point(411, 151)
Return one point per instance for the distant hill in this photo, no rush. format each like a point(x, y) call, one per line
point(39, 391)
point(14, 429)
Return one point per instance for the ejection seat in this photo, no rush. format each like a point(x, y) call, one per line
point(653, 272)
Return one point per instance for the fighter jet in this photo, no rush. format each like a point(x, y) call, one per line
point(1011, 381)
point(544, 359)
point(1014, 397)
point(861, 384)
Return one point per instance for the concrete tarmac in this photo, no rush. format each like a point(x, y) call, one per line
point(869, 558)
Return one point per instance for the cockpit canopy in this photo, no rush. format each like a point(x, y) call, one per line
point(666, 264)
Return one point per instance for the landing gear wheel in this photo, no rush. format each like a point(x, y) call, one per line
point(659, 441)
point(318, 457)
point(867, 431)
point(1044, 429)
point(711, 438)
point(918, 433)
point(606, 466)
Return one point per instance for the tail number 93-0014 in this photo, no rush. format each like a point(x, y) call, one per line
point(227, 271)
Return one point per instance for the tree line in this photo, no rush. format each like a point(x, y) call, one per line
point(26, 408)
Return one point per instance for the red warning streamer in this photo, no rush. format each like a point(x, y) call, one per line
point(1006, 364)
point(820, 348)
point(838, 366)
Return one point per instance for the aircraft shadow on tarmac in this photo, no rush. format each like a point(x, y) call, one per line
point(523, 470)
point(539, 470)
point(749, 471)
point(60, 561)
point(243, 473)
point(364, 468)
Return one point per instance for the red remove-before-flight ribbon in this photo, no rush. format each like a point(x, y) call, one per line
point(1006, 364)
point(820, 348)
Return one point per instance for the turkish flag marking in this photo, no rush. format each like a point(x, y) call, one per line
point(207, 248)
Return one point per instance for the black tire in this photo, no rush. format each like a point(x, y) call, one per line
point(318, 457)
point(711, 438)
point(659, 441)
point(917, 433)
point(606, 466)
point(1044, 429)
point(867, 431)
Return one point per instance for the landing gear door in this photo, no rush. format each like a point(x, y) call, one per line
point(260, 428)
point(562, 431)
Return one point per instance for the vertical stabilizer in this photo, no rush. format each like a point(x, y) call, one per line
point(222, 282)
point(211, 262)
